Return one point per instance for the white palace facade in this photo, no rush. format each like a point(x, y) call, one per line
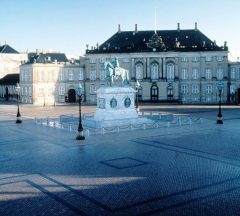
point(181, 66)
point(171, 65)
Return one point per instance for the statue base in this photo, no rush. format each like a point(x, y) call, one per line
point(115, 107)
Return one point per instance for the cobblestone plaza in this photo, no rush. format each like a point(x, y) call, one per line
point(185, 170)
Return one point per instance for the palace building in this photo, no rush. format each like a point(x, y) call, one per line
point(181, 65)
point(48, 78)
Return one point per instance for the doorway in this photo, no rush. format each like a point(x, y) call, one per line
point(154, 93)
point(71, 96)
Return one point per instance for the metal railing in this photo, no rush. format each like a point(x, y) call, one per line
point(70, 123)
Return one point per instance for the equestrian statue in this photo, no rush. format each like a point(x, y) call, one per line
point(114, 71)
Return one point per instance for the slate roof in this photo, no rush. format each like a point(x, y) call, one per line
point(10, 79)
point(161, 41)
point(8, 50)
point(46, 57)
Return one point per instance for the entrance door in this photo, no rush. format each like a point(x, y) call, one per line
point(71, 96)
point(6, 94)
point(170, 91)
point(154, 93)
point(238, 97)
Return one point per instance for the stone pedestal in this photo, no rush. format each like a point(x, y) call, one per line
point(115, 107)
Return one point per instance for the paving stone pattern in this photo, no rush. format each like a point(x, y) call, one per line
point(188, 170)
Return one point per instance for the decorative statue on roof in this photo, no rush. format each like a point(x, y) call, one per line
point(114, 72)
point(156, 42)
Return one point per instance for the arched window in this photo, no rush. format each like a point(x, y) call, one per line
point(170, 72)
point(139, 71)
point(154, 93)
point(154, 71)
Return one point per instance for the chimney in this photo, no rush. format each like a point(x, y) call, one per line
point(178, 27)
point(119, 28)
point(195, 26)
point(225, 44)
point(136, 30)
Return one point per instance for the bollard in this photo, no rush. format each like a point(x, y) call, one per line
point(102, 131)
point(144, 126)
point(179, 120)
point(87, 132)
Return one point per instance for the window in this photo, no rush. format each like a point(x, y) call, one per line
point(102, 60)
point(61, 90)
point(154, 71)
point(139, 71)
point(21, 75)
point(30, 91)
point(232, 89)
point(93, 75)
point(208, 58)
point(41, 92)
point(92, 89)
point(195, 89)
point(26, 76)
point(50, 91)
point(102, 75)
point(219, 58)
point(233, 73)
point(170, 72)
point(208, 73)
point(209, 89)
point(70, 75)
point(80, 75)
point(184, 89)
point(195, 59)
point(184, 73)
point(92, 60)
point(219, 73)
point(29, 76)
point(184, 59)
point(26, 91)
point(50, 75)
point(42, 76)
point(195, 74)
point(61, 75)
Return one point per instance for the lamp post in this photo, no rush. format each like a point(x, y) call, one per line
point(137, 86)
point(80, 91)
point(219, 116)
point(18, 121)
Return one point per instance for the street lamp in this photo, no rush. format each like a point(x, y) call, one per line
point(80, 91)
point(17, 88)
point(219, 116)
point(137, 86)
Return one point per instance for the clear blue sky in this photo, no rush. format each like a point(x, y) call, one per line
point(69, 25)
